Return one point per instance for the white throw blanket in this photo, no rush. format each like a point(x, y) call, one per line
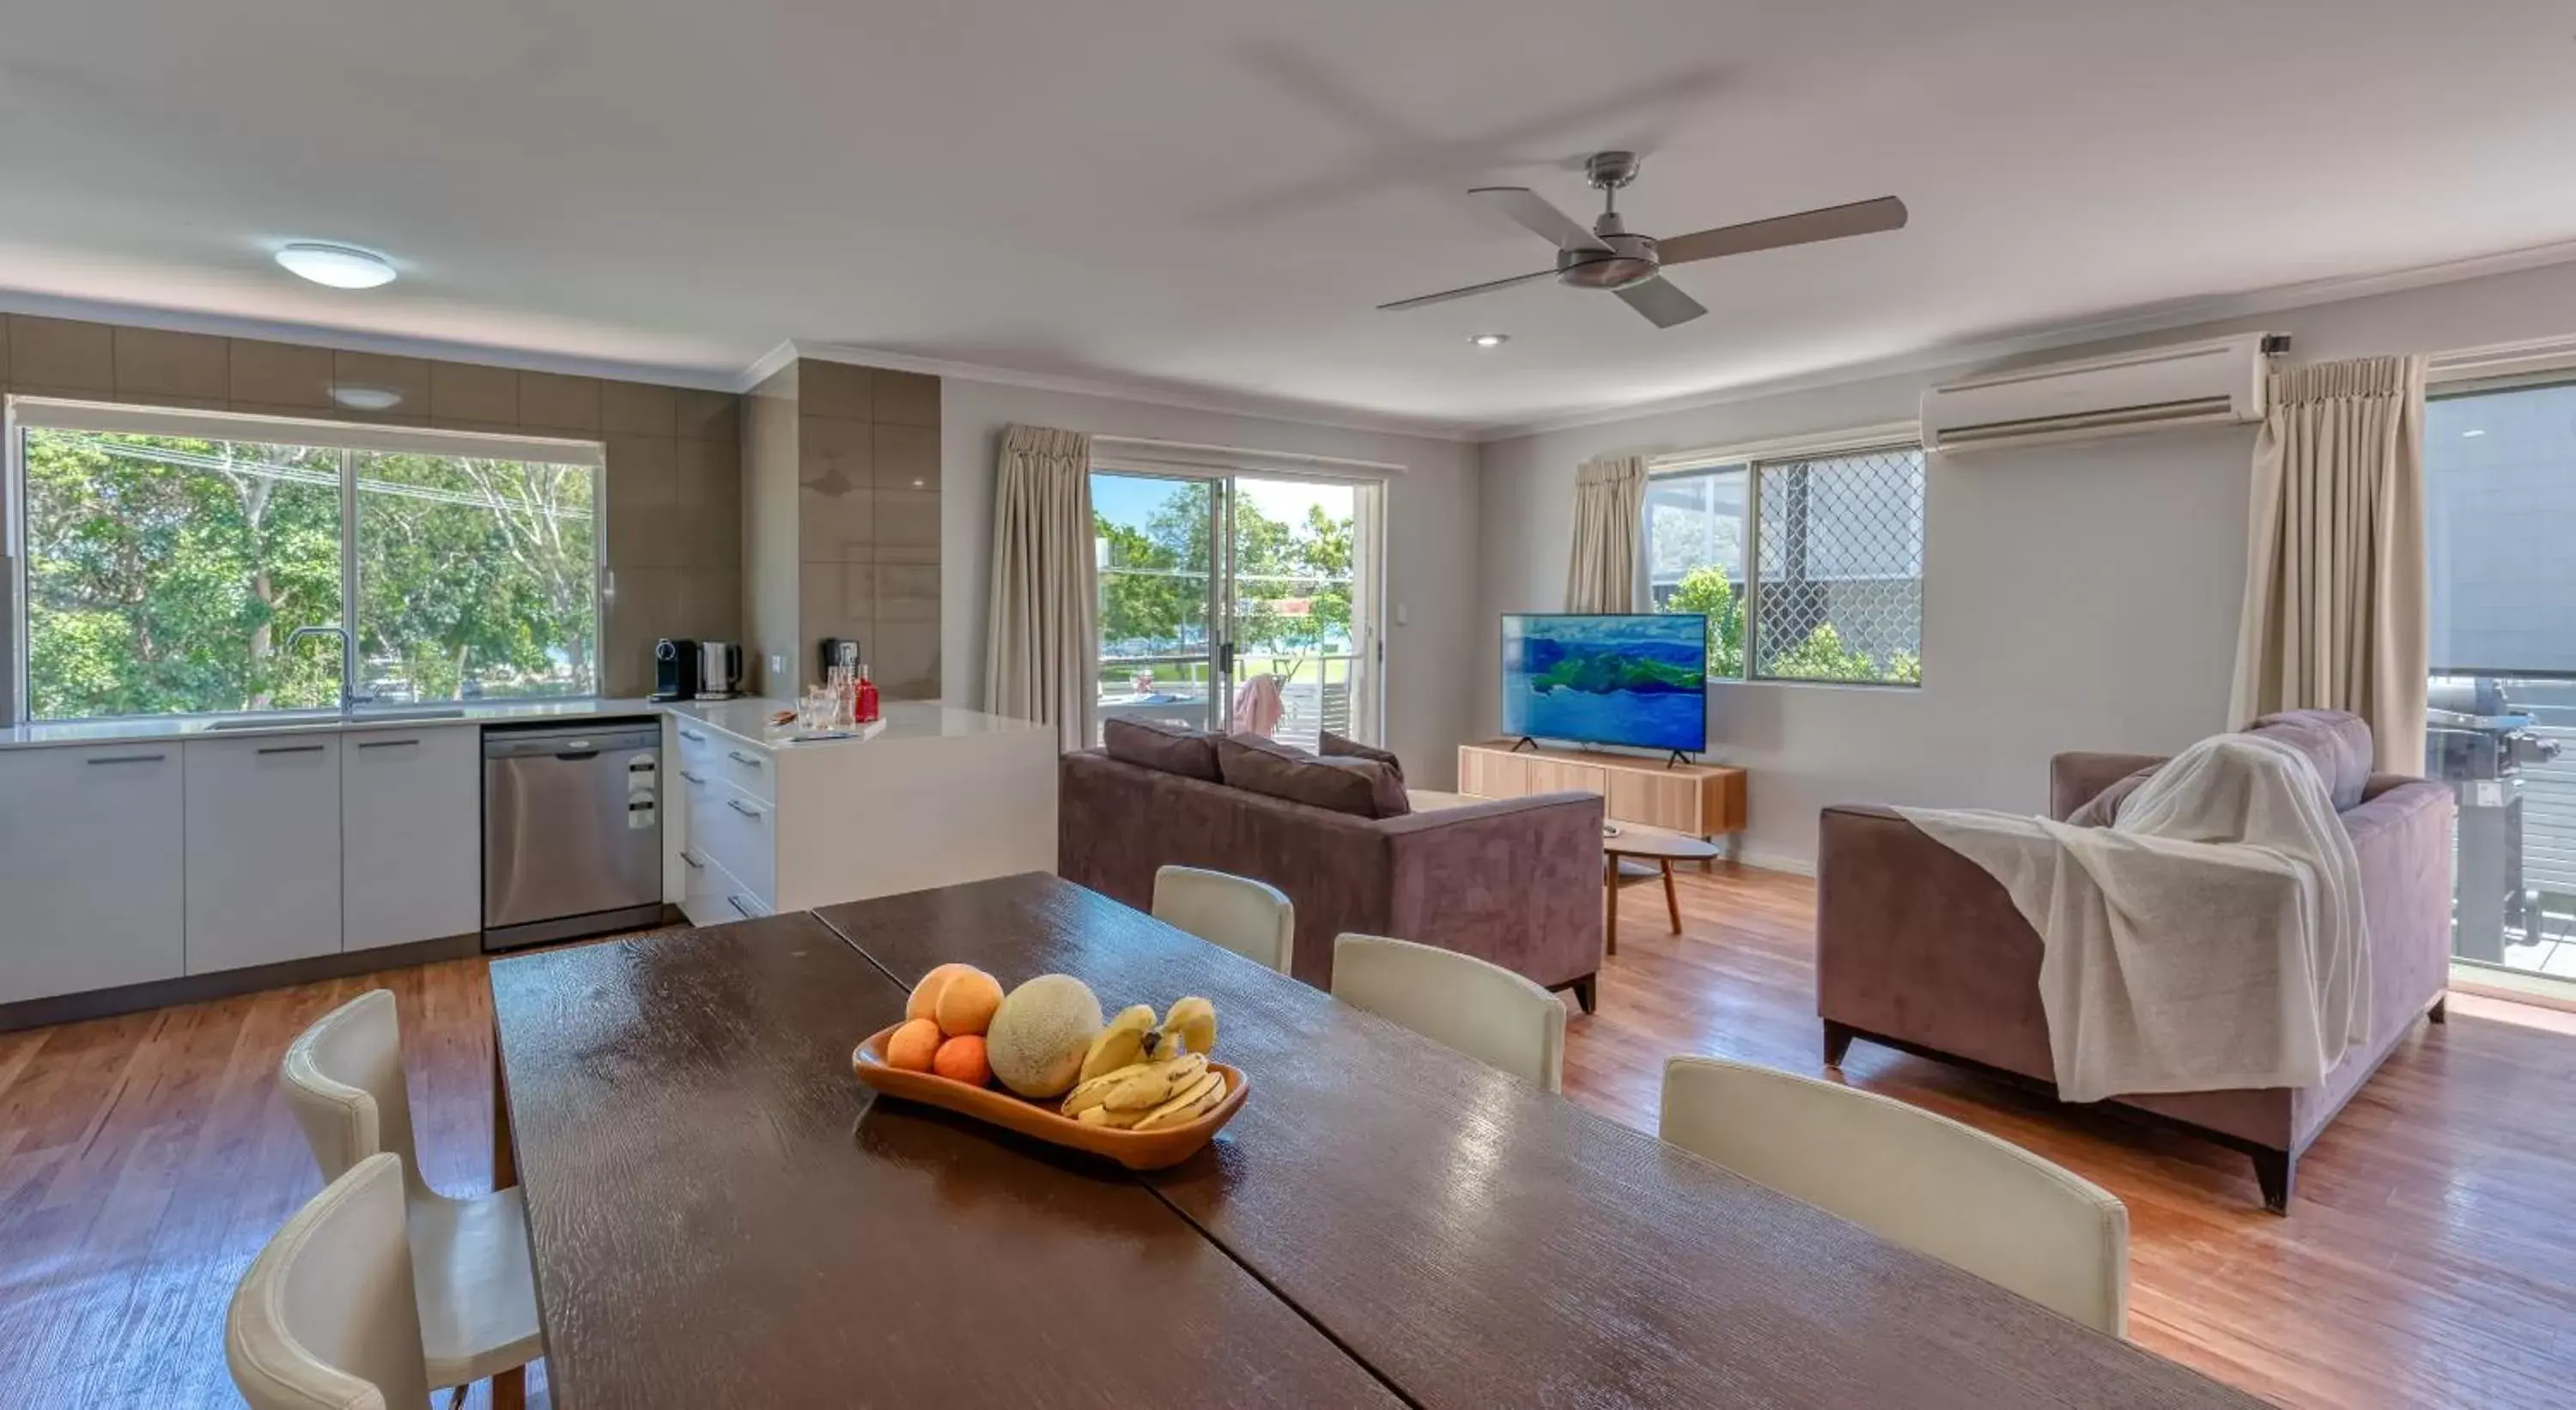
point(2211, 938)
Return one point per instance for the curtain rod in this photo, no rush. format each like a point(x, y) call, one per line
point(1343, 462)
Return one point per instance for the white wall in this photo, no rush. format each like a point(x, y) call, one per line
point(2075, 597)
point(1431, 545)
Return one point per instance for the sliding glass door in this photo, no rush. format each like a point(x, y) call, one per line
point(2500, 501)
point(1238, 602)
point(1157, 540)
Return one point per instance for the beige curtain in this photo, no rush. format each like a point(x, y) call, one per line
point(1041, 644)
point(1609, 509)
point(2336, 614)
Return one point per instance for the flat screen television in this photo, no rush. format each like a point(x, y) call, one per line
point(1638, 679)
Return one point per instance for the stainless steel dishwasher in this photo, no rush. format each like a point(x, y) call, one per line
point(572, 830)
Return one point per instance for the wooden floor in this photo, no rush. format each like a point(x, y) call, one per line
point(2430, 1258)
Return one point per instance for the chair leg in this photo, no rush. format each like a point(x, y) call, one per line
point(2441, 1010)
point(510, 1389)
point(1838, 1041)
point(1672, 903)
point(2278, 1173)
point(1583, 992)
point(1610, 900)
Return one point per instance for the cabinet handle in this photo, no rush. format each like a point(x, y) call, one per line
point(693, 862)
point(746, 912)
point(736, 805)
point(693, 778)
point(294, 748)
point(387, 743)
point(129, 759)
point(740, 757)
point(693, 736)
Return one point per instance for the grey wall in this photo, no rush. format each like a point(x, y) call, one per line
point(1431, 537)
point(672, 478)
point(2075, 597)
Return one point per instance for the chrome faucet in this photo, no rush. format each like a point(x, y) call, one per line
point(350, 699)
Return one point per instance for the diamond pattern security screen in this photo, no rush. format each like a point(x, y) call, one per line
point(1838, 592)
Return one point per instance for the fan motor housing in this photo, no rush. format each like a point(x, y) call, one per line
point(1629, 259)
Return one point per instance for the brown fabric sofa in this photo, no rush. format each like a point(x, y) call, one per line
point(1515, 881)
point(1918, 948)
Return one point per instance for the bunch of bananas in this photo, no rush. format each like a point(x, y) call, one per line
point(1141, 1075)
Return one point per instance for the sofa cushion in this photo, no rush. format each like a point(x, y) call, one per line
point(1333, 746)
point(2103, 808)
point(1362, 788)
point(2336, 742)
point(1163, 747)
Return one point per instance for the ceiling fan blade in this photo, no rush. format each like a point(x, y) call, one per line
point(1663, 304)
point(1487, 287)
point(1804, 228)
point(1530, 211)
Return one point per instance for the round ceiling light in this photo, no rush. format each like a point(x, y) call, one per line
point(1489, 340)
point(340, 266)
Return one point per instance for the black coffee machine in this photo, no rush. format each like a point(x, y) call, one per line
point(675, 669)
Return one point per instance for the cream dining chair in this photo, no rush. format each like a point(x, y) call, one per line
point(343, 1077)
point(1252, 918)
point(1483, 1010)
point(326, 1314)
point(1953, 1192)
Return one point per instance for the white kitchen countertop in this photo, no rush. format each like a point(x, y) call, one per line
point(746, 719)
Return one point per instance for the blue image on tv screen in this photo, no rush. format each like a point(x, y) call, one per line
point(1639, 680)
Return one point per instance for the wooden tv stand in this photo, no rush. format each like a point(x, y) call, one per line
point(1699, 800)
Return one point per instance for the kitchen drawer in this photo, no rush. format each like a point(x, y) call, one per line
point(738, 832)
point(714, 896)
point(748, 767)
point(718, 755)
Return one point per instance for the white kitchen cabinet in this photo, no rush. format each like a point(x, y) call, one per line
point(263, 830)
point(91, 895)
point(411, 835)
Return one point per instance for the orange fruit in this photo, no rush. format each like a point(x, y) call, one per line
point(925, 995)
point(961, 1059)
point(913, 1045)
point(966, 1002)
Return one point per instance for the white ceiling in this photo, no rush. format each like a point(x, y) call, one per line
point(1210, 195)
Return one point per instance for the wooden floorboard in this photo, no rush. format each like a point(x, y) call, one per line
point(2430, 1258)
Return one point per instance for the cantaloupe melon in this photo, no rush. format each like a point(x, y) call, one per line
point(1038, 1036)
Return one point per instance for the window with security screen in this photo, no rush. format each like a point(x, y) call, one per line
point(1809, 568)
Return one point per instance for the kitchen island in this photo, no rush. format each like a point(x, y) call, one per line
point(159, 861)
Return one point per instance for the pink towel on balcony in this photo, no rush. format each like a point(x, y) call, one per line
point(1257, 706)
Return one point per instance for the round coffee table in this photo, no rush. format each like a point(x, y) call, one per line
point(1645, 844)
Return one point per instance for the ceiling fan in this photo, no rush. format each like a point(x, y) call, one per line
point(1608, 257)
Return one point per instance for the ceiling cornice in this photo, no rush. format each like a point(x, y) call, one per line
point(2129, 323)
point(356, 340)
point(1150, 393)
point(2157, 319)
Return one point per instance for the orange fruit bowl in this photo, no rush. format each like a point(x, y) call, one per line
point(1136, 1150)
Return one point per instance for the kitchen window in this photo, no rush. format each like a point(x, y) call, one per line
point(166, 562)
point(1810, 567)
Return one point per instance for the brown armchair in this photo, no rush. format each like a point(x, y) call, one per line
point(1917, 948)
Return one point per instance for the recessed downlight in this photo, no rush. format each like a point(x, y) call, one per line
point(1489, 340)
point(340, 266)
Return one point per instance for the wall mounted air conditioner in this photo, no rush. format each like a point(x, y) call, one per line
point(2189, 384)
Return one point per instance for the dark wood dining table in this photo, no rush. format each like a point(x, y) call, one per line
point(721, 1214)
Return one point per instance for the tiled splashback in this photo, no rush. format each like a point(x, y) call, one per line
point(674, 482)
point(867, 519)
